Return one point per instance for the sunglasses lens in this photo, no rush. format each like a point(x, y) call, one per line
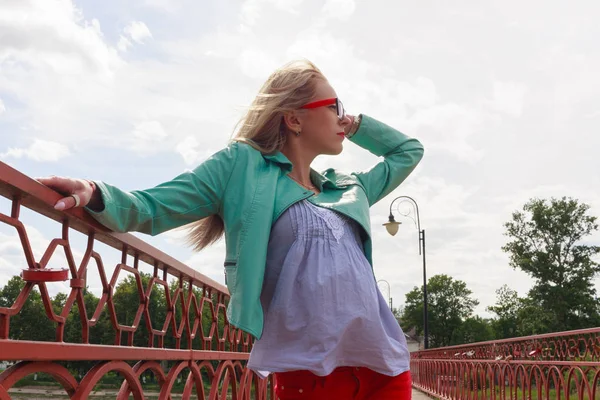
point(340, 110)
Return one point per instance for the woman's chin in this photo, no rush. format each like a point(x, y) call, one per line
point(331, 149)
point(339, 149)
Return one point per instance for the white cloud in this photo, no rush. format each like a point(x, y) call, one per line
point(53, 34)
point(124, 44)
point(40, 150)
point(188, 148)
point(2, 107)
point(149, 131)
point(420, 94)
point(448, 128)
point(253, 10)
point(339, 9)
point(137, 31)
point(170, 6)
point(593, 114)
point(257, 64)
point(56, 65)
point(509, 98)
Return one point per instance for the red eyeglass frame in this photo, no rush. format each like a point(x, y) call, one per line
point(328, 102)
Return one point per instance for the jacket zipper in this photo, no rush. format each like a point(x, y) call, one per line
point(228, 264)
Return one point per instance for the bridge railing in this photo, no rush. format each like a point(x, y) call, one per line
point(192, 345)
point(564, 365)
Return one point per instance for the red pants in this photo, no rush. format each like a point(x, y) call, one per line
point(345, 383)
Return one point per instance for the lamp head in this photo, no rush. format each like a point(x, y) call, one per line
point(392, 225)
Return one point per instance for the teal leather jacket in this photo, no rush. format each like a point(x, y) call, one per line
point(249, 191)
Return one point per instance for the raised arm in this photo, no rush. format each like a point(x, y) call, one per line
point(401, 154)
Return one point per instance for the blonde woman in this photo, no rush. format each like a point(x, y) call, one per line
point(298, 245)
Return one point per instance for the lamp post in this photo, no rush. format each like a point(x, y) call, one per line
point(392, 228)
point(389, 293)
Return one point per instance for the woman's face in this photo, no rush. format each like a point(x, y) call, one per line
point(322, 130)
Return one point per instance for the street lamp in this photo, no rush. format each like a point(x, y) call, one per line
point(392, 228)
point(389, 292)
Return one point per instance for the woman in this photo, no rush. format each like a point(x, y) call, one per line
point(298, 256)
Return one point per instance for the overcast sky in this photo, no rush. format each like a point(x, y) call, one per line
point(505, 97)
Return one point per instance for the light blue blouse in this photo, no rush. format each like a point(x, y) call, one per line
point(323, 308)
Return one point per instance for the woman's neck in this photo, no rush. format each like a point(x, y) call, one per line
point(301, 160)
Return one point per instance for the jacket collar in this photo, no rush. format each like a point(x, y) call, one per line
point(278, 158)
point(284, 163)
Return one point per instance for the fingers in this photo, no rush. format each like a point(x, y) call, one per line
point(61, 185)
point(65, 203)
point(64, 185)
point(47, 180)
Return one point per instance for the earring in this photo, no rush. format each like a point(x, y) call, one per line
point(298, 133)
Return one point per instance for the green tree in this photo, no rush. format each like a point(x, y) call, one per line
point(100, 333)
point(546, 243)
point(398, 312)
point(533, 318)
point(507, 307)
point(472, 330)
point(518, 316)
point(31, 323)
point(127, 300)
point(449, 304)
point(178, 313)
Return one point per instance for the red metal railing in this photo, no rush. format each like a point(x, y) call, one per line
point(563, 365)
point(211, 356)
point(195, 342)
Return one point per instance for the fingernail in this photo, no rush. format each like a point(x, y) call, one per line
point(60, 205)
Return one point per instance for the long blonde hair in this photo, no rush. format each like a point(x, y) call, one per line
point(263, 127)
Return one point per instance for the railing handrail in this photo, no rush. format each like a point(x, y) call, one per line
point(15, 350)
point(41, 199)
point(513, 340)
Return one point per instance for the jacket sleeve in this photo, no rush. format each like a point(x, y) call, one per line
point(188, 197)
point(401, 154)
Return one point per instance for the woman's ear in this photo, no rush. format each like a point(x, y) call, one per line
point(292, 122)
